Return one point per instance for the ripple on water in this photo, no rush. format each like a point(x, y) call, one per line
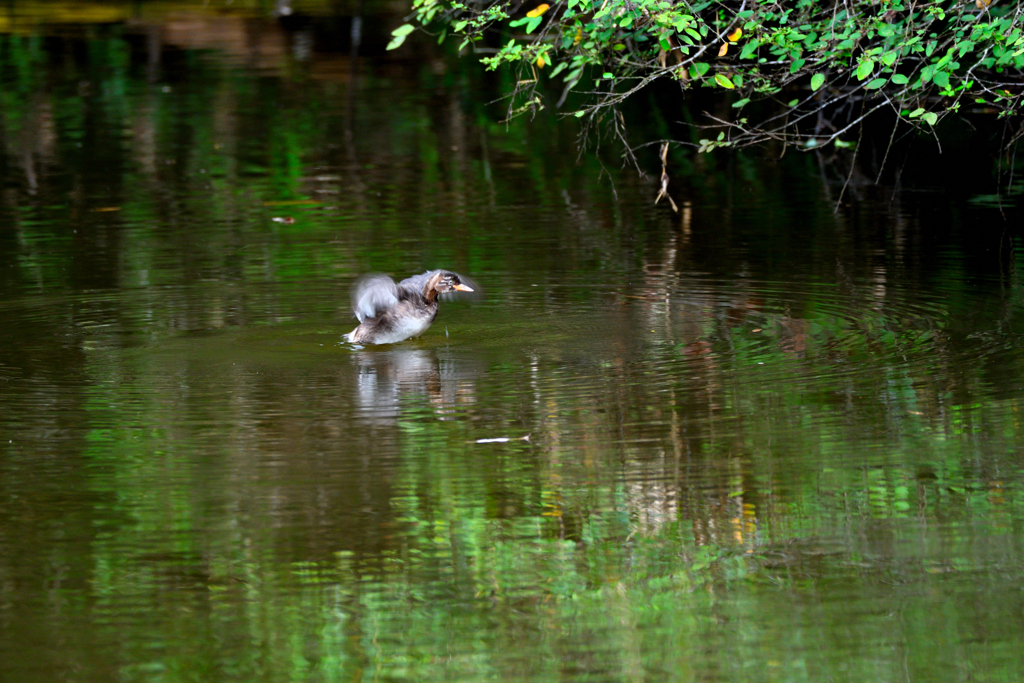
point(640, 363)
point(772, 332)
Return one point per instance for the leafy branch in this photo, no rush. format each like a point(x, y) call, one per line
point(814, 62)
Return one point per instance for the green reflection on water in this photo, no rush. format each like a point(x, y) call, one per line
point(763, 446)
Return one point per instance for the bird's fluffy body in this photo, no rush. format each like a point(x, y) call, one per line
point(390, 312)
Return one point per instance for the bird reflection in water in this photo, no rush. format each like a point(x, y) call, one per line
point(385, 378)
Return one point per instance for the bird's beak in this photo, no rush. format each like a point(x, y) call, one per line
point(463, 288)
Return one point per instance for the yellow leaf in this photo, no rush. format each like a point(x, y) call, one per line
point(538, 10)
point(722, 50)
point(540, 61)
point(735, 35)
point(982, 4)
point(579, 37)
point(723, 80)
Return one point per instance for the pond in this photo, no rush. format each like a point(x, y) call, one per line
point(760, 438)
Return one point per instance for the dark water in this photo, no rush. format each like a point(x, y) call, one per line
point(756, 440)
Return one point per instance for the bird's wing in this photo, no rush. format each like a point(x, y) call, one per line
point(416, 283)
point(372, 295)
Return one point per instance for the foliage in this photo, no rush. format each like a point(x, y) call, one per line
point(824, 65)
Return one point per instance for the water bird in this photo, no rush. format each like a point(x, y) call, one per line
point(390, 313)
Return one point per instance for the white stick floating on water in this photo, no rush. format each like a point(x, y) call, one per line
point(504, 439)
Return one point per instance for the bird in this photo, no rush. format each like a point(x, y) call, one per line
point(389, 313)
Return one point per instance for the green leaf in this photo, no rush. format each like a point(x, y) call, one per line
point(749, 49)
point(608, 74)
point(739, 103)
point(817, 80)
point(931, 117)
point(865, 68)
point(917, 112)
point(899, 79)
point(876, 84)
point(941, 79)
point(399, 36)
point(889, 58)
point(723, 81)
point(698, 69)
point(533, 23)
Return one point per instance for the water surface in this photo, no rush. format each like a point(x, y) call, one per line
point(760, 439)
